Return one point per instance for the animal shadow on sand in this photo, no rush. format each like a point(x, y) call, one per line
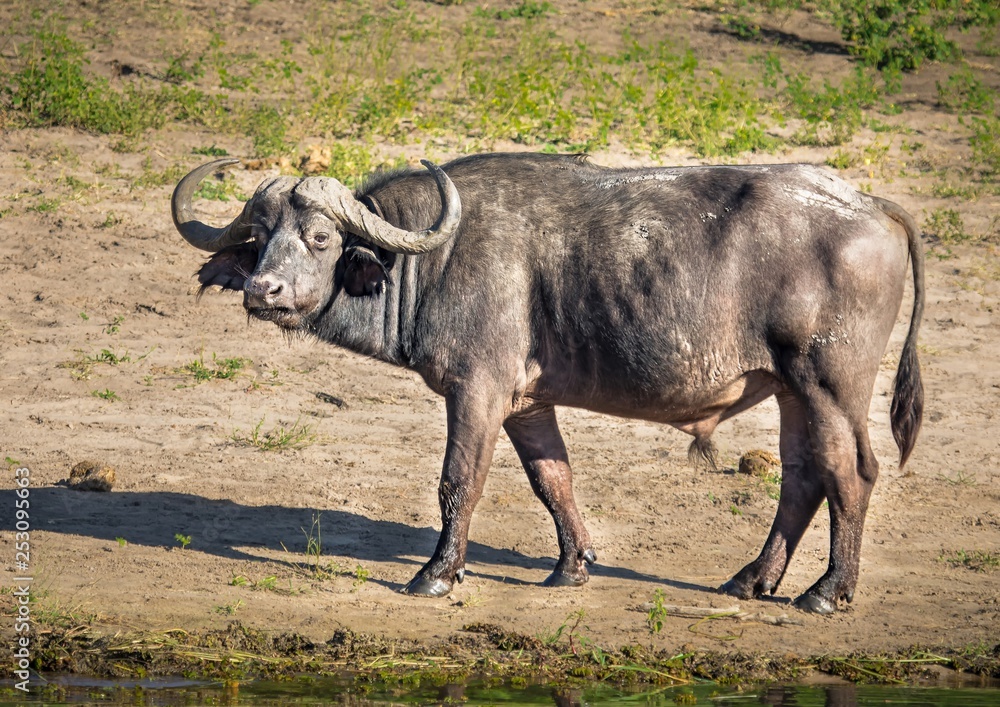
point(231, 530)
point(769, 36)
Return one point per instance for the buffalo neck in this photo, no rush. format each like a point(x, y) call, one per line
point(379, 325)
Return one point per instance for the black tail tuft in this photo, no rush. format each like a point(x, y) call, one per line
point(702, 452)
point(908, 391)
point(907, 412)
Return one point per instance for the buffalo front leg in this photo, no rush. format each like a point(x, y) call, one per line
point(535, 436)
point(473, 428)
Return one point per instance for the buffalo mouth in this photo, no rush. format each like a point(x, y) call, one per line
point(284, 317)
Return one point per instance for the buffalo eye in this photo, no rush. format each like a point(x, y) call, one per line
point(320, 240)
point(258, 233)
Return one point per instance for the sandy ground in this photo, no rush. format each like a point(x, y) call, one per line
point(371, 474)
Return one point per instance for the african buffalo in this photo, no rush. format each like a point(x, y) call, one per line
point(678, 295)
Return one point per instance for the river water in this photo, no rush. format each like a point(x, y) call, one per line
point(306, 690)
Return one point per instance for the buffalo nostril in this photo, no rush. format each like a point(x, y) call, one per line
point(264, 289)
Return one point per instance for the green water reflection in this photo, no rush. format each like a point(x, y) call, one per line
point(318, 691)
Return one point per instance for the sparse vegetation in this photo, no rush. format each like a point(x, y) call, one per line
point(106, 394)
point(210, 151)
point(114, 326)
point(51, 87)
point(229, 609)
point(965, 190)
point(527, 10)
point(521, 95)
point(265, 584)
point(361, 576)
point(221, 368)
point(314, 545)
point(771, 483)
point(535, 88)
point(895, 35)
point(111, 358)
point(947, 226)
point(657, 613)
point(472, 600)
point(572, 630)
point(350, 163)
point(82, 367)
point(961, 478)
point(842, 159)
point(268, 583)
point(182, 540)
point(977, 560)
point(985, 143)
point(963, 92)
point(220, 190)
point(278, 438)
point(111, 220)
point(49, 611)
point(316, 567)
point(151, 177)
point(44, 205)
point(890, 35)
point(833, 114)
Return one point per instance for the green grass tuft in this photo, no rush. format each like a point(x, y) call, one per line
point(977, 560)
point(948, 226)
point(106, 394)
point(279, 438)
point(221, 368)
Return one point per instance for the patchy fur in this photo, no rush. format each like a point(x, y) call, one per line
point(229, 268)
point(682, 295)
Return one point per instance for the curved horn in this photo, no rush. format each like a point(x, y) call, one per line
point(199, 234)
point(340, 205)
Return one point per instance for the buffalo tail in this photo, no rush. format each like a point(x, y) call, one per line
point(907, 411)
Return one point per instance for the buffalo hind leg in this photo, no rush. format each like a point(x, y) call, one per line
point(535, 436)
point(801, 493)
point(849, 470)
point(473, 427)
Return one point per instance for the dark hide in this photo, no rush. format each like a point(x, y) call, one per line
point(229, 268)
point(680, 295)
point(365, 273)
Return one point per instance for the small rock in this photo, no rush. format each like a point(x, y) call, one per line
point(283, 164)
point(260, 163)
point(92, 476)
point(759, 462)
point(332, 399)
point(316, 162)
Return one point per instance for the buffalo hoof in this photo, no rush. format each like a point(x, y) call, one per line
point(424, 587)
point(558, 579)
point(740, 590)
point(814, 604)
point(589, 556)
point(735, 589)
point(749, 583)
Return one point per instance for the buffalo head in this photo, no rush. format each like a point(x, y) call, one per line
point(300, 241)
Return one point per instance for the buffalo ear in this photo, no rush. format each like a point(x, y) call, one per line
point(229, 268)
point(364, 272)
